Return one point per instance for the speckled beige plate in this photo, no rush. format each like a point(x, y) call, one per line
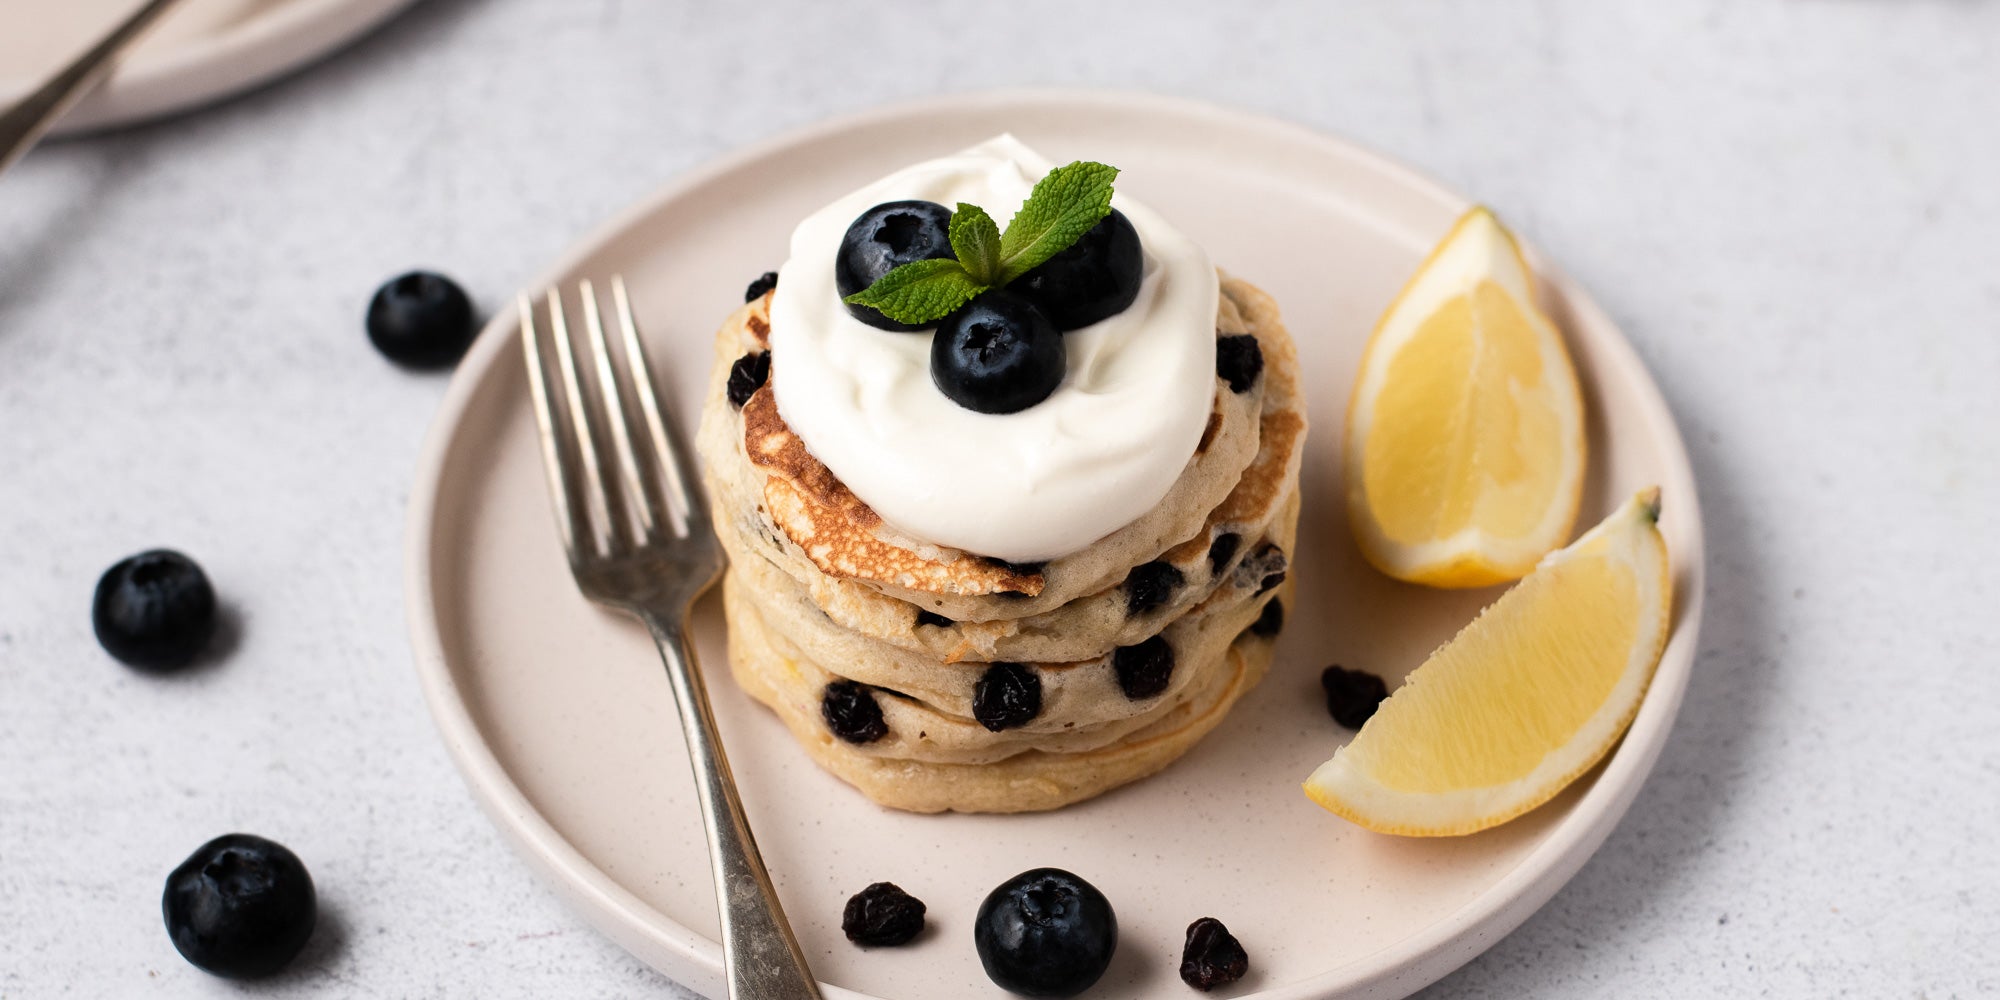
point(198, 53)
point(560, 718)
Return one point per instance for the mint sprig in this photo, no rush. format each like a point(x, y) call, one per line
point(1063, 206)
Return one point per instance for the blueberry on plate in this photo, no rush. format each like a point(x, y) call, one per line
point(883, 239)
point(1094, 279)
point(421, 319)
point(997, 354)
point(240, 906)
point(1045, 933)
point(1352, 696)
point(154, 610)
point(882, 916)
point(1212, 956)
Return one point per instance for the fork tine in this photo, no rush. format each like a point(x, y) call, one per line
point(556, 459)
point(596, 489)
point(636, 496)
point(670, 453)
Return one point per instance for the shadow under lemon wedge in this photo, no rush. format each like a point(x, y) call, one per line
point(1465, 443)
point(1522, 701)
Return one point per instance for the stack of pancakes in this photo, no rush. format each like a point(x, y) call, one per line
point(1004, 687)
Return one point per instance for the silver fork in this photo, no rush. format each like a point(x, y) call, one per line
point(639, 540)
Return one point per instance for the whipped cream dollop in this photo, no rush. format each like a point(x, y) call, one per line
point(1033, 485)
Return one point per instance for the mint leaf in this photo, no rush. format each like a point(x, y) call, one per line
point(975, 238)
point(921, 292)
point(1063, 206)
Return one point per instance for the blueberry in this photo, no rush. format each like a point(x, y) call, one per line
point(1150, 585)
point(1238, 361)
point(1006, 695)
point(1096, 278)
point(1352, 695)
point(852, 713)
point(240, 906)
point(764, 283)
point(882, 915)
point(1144, 669)
point(1222, 550)
point(154, 610)
point(928, 617)
point(1270, 621)
point(747, 375)
point(1045, 933)
point(884, 238)
point(997, 354)
point(421, 319)
point(1212, 956)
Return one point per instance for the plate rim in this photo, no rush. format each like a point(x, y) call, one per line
point(1395, 970)
point(277, 42)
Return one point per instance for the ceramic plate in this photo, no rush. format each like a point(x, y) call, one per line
point(198, 53)
point(559, 716)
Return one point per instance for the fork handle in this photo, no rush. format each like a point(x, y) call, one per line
point(760, 956)
point(25, 122)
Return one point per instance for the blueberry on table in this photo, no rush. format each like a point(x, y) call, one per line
point(240, 906)
point(1045, 933)
point(1212, 956)
point(997, 354)
point(1094, 279)
point(882, 915)
point(421, 319)
point(885, 238)
point(1352, 695)
point(154, 610)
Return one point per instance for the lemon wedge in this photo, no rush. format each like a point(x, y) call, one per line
point(1465, 445)
point(1523, 700)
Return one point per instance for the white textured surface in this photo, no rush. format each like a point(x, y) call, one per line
point(1789, 207)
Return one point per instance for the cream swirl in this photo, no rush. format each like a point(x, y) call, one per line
point(1041, 483)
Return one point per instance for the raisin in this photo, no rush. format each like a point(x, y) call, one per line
point(851, 712)
point(925, 617)
point(1144, 669)
point(764, 283)
point(1263, 568)
point(1222, 550)
point(1238, 360)
point(747, 375)
point(1212, 956)
point(882, 915)
point(1007, 695)
point(1150, 585)
point(1351, 695)
point(1270, 622)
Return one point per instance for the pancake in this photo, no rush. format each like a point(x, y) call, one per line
point(1031, 781)
point(1078, 697)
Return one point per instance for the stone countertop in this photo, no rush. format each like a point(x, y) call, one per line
point(1789, 207)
